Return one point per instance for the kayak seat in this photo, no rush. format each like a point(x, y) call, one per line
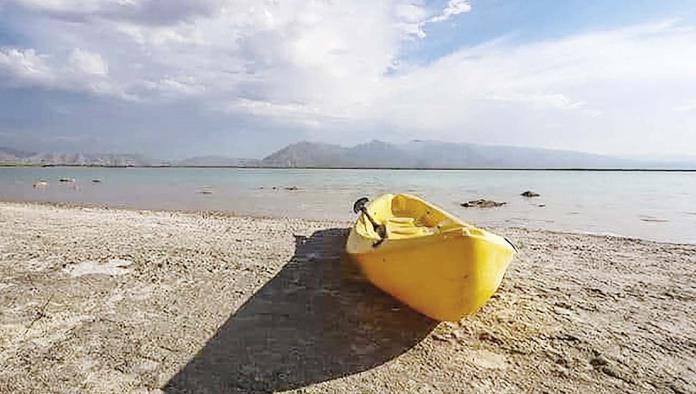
point(402, 220)
point(404, 227)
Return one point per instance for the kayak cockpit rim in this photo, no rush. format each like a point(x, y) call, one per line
point(406, 217)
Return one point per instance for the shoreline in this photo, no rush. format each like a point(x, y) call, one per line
point(649, 206)
point(104, 300)
point(572, 169)
point(348, 223)
point(194, 212)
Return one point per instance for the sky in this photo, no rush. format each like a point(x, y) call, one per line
point(242, 78)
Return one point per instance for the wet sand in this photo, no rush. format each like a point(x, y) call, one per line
point(100, 300)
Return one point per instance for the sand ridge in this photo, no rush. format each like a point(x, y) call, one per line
point(197, 302)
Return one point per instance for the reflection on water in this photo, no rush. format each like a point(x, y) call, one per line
point(602, 202)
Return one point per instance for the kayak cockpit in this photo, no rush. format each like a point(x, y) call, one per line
point(406, 218)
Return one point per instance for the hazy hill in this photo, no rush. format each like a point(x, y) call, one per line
point(374, 154)
point(309, 154)
point(434, 154)
point(18, 157)
point(9, 154)
point(14, 156)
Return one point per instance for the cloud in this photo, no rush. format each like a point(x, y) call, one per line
point(149, 12)
point(559, 101)
point(23, 67)
point(454, 7)
point(77, 71)
point(303, 114)
point(88, 63)
point(174, 87)
point(338, 66)
point(227, 47)
point(686, 106)
point(622, 82)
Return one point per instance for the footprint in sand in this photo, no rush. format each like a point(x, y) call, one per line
point(112, 267)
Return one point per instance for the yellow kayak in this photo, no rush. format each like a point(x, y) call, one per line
point(427, 258)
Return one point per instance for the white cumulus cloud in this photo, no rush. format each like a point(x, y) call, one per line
point(23, 66)
point(88, 62)
point(454, 7)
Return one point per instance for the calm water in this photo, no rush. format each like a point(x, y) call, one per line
point(652, 205)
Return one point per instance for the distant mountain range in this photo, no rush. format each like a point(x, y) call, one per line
point(435, 154)
point(14, 156)
point(375, 154)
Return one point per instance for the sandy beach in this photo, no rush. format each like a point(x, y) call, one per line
point(102, 300)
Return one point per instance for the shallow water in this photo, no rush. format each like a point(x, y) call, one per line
point(651, 205)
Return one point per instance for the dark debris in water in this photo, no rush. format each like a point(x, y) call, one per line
point(483, 203)
point(530, 194)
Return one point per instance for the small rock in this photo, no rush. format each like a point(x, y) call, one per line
point(609, 371)
point(482, 203)
point(677, 389)
point(292, 188)
point(567, 337)
point(561, 311)
point(599, 361)
point(487, 336)
point(541, 205)
point(519, 350)
point(69, 180)
point(96, 180)
point(530, 194)
point(443, 337)
point(562, 370)
point(205, 192)
point(458, 335)
point(597, 291)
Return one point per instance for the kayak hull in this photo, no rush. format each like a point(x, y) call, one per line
point(443, 271)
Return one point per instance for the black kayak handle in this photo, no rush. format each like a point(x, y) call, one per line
point(380, 229)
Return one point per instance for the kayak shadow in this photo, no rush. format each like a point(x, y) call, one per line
point(316, 320)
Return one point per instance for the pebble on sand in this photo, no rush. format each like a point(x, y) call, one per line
point(483, 203)
point(69, 180)
point(96, 180)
